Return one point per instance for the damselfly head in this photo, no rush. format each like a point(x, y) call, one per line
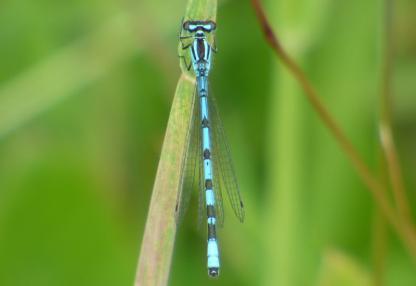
point(203, 26)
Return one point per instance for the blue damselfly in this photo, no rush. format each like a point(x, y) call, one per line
point(207, 163)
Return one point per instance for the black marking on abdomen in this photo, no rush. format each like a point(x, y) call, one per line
point(210, 211)
point(212, 233)
point(208, 184)
point(207, 154)
point(205, 123)
point(213, 271)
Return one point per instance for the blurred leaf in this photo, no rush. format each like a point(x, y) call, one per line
point(159, 235)
point(65, 72)
point(339, 269)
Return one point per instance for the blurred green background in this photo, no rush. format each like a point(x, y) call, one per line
point(85, 93)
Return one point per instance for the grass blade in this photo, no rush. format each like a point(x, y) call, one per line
point(159, 235)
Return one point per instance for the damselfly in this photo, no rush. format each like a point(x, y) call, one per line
point(207, 162)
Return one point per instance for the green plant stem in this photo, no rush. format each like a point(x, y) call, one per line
point(403, 228)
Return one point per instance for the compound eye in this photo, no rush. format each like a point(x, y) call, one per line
point(192, 27)
point(185, 25)
point(207, 28)
point(211, 25)
point(189, 26)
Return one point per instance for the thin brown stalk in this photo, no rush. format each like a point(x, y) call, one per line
point(378, 191)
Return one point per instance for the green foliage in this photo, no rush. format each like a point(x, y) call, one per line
point(338, 269)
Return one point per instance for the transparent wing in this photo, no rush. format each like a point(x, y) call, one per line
point(219, 209)
point(190, 165)
point(202, 215)
point(223, 165)
point(200, 185)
